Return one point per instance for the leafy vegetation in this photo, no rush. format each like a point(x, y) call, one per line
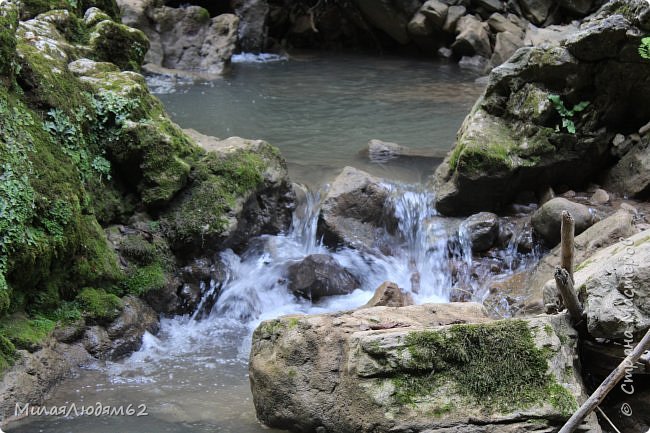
point(99, 306)
point(644, 48)
point(565, 113)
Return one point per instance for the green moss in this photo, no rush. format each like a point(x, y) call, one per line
point(119, 44)
point(7, 353)
point(548, 329)
point(108, 6)
point(30, 8)
point(99, 306)
point(8, 26)
point(497, 365)
point(202, 15)
point(26, 333)
point(561, 399)
point(145, 279)
point(219, 181)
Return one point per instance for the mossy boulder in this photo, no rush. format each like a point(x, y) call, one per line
point(124, 46)
point(98, 306)
point(8, 27)
point(31, 8)
point(525, 131)
point(359, 371)
point(238, 189)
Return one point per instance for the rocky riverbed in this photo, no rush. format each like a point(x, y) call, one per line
point(113, 216)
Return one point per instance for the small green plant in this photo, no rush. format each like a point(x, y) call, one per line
point(644, 48)
point(565, 113)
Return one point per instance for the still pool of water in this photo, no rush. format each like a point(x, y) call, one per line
point(320, 111)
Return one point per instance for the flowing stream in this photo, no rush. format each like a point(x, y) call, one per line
point(320, 111)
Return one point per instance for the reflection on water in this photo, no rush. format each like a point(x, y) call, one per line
point(321, 110)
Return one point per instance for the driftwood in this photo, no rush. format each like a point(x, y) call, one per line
point(571, 302)
point(567, 242)
point(610, 382)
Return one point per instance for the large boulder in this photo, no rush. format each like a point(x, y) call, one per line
point(252, 31)
point(631, 175)
point(500, 152)
point(602, 234)
point(615, 286)
point(547, 220)
point(9, 25)
point(383, 15)
point(320, 275)
point(239, 189)
point(536, 11)
point(434, 367)
point(473, 38)
point(505, 46)
point(356, 211)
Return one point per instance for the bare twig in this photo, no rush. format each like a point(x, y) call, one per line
point(610, 382)
point(567, 242)
point(565, 287)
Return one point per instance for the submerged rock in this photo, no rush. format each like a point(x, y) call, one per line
point(320, 275)
point(384, 151)
point(547, 220)
point(390, 369)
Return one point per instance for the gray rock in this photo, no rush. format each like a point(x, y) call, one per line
point(601, 235)
point(454, 13)
point(489, 5)
point(420, 26)
point(383, 15)
point(252, 30)
point(548, 36)
point(384, 151)
point(436, 12)
point(97, 342)
point(547, 220)
point(320, 275)
point(536, 11)
point(505, 46)
point(599, 196)
point(579, 7)
point(615, 283)
point(127, 330)
point(473, 38)
point(389, 294)
point(498, 23)
point(355, 211)
point(631, 175)
point(346, 372)
point(482, 230)
point(71, 332)
point(476, 63)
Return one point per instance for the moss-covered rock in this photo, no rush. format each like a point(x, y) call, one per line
point(25, 333)
point(548, 115)
point(7, 353)
point(425, 374)
point(124, 46)
point(31, 8)
point(8, 27)
point(98, 306)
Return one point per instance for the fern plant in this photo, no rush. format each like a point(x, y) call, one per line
point(565, 113)
point(644, 48)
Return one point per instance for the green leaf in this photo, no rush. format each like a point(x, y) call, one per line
point(580, 106)
point(644, 48)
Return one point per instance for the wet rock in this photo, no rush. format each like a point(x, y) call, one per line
point(547, 220)
point(615, 283)
point(97, 342)
point(536, 11)
point(602, 234)
point(435, 12)
point(505, 46)
point(631, 175)
point(496, 156)
point(389, 294)
point(384, 151)
point(70, 332)
point(599, 196)
point(356, 211)
point(252, 24)
point(473, 38)
point(482, 229)
point(198, 220)
point(383, 15)
point(476, 63)
point(489, 5)
point(320, 275)
point(127, 330)
point(34, 375)
point(358, 366)
point(454, 13)
point(498, 24)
